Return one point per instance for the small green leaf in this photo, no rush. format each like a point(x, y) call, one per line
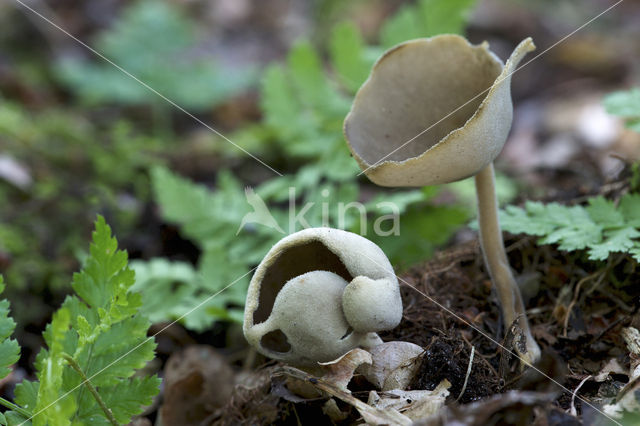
point(401, 27)
point(619, 240)
point(149, 41)
point(604, 212)
point(16, 419)
point(311, 84)
point(634, 124)
point(630, 209)
point(9, 349)
point(443, 16)
point(281, 108)
point(625, 104)
point(27, 394)
point(53, 407)
point(427, 18)
point(601, 227)
point(348, 56)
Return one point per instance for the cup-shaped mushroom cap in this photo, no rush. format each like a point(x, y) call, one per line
point(432, 111)
point(300, 307)
point(307, 311)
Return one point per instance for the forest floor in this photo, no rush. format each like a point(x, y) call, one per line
point(578, 323)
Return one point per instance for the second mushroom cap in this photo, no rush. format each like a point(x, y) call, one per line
point(319, 293)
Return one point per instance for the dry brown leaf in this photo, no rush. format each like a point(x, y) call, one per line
point(371, 415)
point(513, 407)
point(340, 371)
point(417, 404)
point(394, 365)
point(331, 409)
point(631, 337)
point(197, 381)
point(628, 398)
point(612, 366)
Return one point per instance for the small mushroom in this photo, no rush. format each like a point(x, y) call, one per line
point(461, 95)
point(319, 293)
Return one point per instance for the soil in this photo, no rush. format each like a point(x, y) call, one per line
point(577, 323)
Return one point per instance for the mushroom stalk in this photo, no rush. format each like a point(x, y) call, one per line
point(497, 263)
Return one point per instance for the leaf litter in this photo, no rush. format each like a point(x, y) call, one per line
point(581, 313)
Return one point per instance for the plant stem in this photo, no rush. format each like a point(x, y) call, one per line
point(10, 405)
point(85, 380)
point(497, 263)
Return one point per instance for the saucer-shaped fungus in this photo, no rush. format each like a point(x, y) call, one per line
point(438, 110)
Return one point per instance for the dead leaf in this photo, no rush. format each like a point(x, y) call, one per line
point(197, 381)
point(612, 366)
point(416, 404)
point(371, 415)
point(631, 337)
point(628, 399)
point(331, 409)
point(394, 365)
point(513, 407)
point(251, 402)
point(339, 372)
point(14, 172)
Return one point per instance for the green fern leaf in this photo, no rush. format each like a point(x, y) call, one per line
point(426, 19)
point(52, 406)
point(614, 241)
point(630, 209)
point(149, 41)
point(102, 330)
point(281, 107)
point(604, 212)
point(625, 104)
point(27, 394)
point(402, 26)
point(312, 85)
point(601, 227)
point(9, 349)
point(212, 219)
point(348, 56)
point(444, 16)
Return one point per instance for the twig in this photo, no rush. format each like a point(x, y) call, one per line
point(574, 412)
point(484, 358)
point(608, 329)
point(85, 380)
point(250, 358)
point(466, 379)
point(574, 300)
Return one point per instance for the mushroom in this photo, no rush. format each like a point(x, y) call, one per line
point(317, 294)
point(422, 118)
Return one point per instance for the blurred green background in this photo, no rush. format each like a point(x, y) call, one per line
point(78, 136)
